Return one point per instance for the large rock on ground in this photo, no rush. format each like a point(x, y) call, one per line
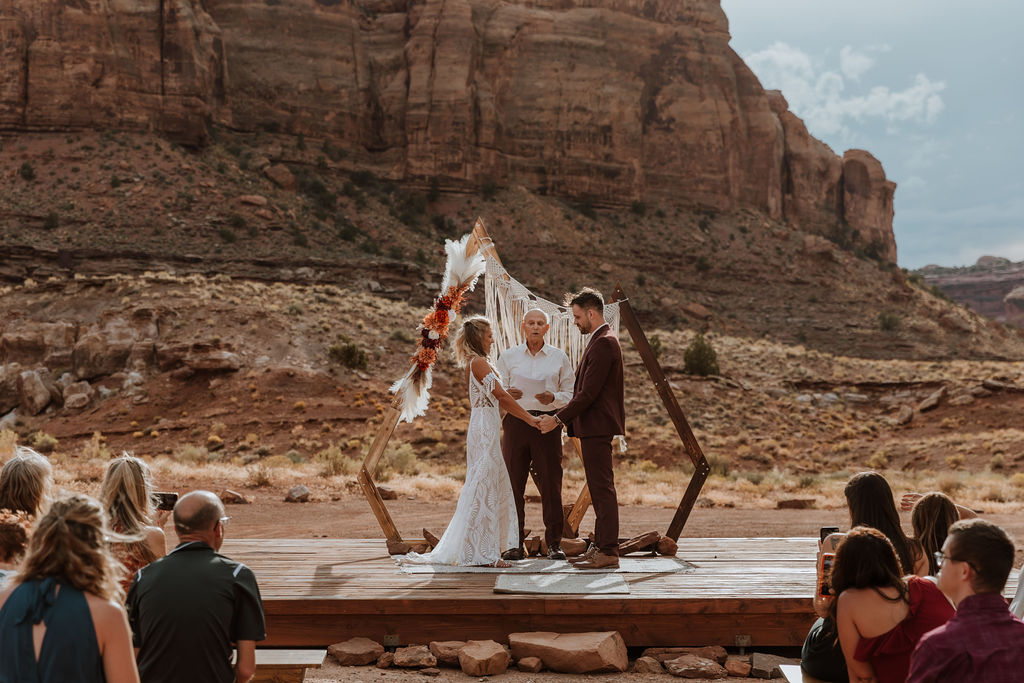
point(447, 651)
point(715, 653)
point(767, 666)
point(483, 658)
point(78, 395)
point(9, 398)
point(414, 657)
point(31, 342)
point(576, 653)
point(356, 651)
point(33, 391)
point(692, 666)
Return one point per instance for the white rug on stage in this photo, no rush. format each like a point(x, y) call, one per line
point(627, 565)
point(582, 583)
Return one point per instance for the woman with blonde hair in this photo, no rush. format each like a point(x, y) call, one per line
point(485, 523)
point(62, 619)
point(25, 482)
point(127, 496)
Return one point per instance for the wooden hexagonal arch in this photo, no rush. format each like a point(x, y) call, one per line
point(481, 241)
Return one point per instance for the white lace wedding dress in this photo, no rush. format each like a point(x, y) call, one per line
point(485, 522)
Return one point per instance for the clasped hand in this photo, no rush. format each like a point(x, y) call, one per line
point(546, 423)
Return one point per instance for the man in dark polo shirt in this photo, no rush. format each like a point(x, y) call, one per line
point(188, 609)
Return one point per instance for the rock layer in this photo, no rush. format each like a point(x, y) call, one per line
point(611, 100)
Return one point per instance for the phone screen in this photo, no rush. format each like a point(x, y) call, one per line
point(165, 501)
point(827, 561)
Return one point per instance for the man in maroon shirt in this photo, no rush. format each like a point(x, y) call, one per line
point(984, 641)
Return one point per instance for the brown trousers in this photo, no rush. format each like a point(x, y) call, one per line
point(525, 449)
point(597, 463)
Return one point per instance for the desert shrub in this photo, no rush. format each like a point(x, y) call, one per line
point(227, 235)
point(115, 182)
point(395, 252)
point(399, 460)
point(336, 463)
point(638, 207)
point(878, 460)
point(656, 345)
point(888, 322)
point(719, 464)
point(260, 476)
point(95, 448)
point(434, 193)
point(191, 453)
point(27, 171)
point(700, 357)
point(349, 354)
point(52, 221)
point(42, 442)
point(703, 264)
point(295, 456)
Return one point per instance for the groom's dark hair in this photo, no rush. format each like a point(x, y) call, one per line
point(586, 298)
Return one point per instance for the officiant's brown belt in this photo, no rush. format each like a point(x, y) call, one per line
point(541, 412)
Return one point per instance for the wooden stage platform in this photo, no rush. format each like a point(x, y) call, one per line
point(750, 591)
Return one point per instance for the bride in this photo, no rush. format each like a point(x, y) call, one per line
point(485, 522)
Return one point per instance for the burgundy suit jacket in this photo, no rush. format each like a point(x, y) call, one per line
point(597, 407)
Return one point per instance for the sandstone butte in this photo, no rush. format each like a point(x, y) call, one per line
point(613, 100)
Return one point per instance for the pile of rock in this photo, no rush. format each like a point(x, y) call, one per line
point(572, 653)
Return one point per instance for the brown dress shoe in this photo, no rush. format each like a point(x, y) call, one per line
point(591, 551)
point(599, 561)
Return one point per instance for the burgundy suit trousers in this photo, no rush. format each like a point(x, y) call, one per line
point(597, 463)
point(524, 449)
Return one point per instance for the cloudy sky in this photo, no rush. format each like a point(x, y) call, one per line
point(935, 90)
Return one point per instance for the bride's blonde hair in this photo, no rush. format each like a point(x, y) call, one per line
point(469, 340)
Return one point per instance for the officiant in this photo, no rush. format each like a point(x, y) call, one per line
point(540, 377)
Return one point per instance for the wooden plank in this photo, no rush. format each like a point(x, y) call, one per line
point(579, 508)
point(675, 413)
point(305, 658)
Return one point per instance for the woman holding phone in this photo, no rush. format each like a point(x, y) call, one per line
point(127, 495)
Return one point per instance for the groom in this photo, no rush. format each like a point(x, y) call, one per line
point(595, 414)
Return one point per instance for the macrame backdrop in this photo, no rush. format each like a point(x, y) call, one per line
point(508, 300)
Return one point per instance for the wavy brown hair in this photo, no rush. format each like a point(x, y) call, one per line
point(931, 518)
point(25, 482)
point(866, 558)
point(127, 496)
point(15, 529)
point(871, 503)
point(469, 340)
point(69, 542)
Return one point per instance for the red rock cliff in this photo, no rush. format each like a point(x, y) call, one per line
point(616, 100)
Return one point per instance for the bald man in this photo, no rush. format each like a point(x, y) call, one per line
point(189, 609)
point(538, 365)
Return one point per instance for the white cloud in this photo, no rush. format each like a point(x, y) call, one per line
point(854, 64)
point(821, 95)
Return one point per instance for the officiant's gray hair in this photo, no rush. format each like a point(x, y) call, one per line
point(535, 309)
point(469, 340)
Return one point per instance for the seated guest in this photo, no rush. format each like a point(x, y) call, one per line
point(931, 517)
point(61, 619)
point(870, 503)
point(25, 482)
point(190, 607)
point(984, 642)
point(880, 615)
point(909, 500)
point(127, 495)
point(14, 532)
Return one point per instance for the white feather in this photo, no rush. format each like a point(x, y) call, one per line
point(414, 394)
point(461, 269)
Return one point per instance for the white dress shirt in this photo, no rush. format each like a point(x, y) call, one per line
point(549, 365)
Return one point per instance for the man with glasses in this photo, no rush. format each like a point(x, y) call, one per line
point(190, 608)
point(983, 642)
